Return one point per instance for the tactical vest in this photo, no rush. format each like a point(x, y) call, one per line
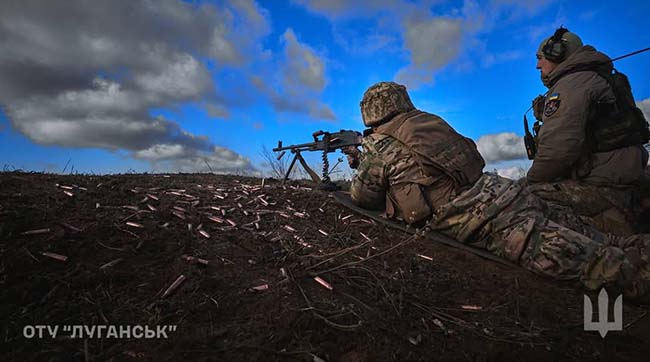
point(437, 147)
point(616, 125)
point(609, 125)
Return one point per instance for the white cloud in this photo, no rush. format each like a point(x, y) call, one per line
point(219, 160)
point(514, 173)
point(216, 111)
point(498, 58)
point(301, 83)
point(160, 152)
point(303, 69)
point(432, 43)
point(501, 146)
point(345, 9)
point(433, 33)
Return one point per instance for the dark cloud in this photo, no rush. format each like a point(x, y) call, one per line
point(85, 74)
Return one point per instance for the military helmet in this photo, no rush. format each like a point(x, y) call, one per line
point(382, 101)
point(559, 46)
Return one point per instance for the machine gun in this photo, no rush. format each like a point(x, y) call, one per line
point(328, 142)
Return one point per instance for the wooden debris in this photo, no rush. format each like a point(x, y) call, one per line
point(346, 217)
point(326, 234)
point(178, 208)
point(153, 197)
point(205, 234)
point(320, 281)
point(35, 232)
point(55, 256)
point(68, 193)
point(151, 207)
point(178, 215)
point(134, 224)
point(181, 278)
point(111, 263)
point(231, 222)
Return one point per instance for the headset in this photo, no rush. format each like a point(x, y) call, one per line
point(555, 49)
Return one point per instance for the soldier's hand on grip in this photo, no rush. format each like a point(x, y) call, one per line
point(352, 154)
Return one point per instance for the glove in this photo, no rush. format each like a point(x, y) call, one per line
point(352, 154)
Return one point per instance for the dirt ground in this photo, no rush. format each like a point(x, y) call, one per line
point(115, 244)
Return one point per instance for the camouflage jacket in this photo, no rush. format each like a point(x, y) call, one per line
point(408, 181)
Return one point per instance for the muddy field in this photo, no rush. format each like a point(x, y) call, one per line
point(249, 270)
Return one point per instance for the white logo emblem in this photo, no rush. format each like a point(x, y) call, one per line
point(602, 325)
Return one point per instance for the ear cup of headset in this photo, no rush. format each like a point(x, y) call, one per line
point(555, 48)
point(554, 51)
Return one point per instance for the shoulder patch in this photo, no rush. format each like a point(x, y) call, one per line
point(554, 96)
point(551, 107)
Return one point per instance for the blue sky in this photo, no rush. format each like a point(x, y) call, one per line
point(166, 86)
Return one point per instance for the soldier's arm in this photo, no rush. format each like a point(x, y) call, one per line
point(368, 189)
point(562, 135)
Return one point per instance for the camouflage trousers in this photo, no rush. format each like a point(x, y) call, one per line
point(611, 210)
point(502, 216)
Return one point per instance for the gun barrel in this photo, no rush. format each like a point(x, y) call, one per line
point(301, 147)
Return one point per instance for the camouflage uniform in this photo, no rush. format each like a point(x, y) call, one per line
point(502, 216)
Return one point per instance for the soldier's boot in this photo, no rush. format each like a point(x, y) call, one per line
point(621, 265)
point(622, 268)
